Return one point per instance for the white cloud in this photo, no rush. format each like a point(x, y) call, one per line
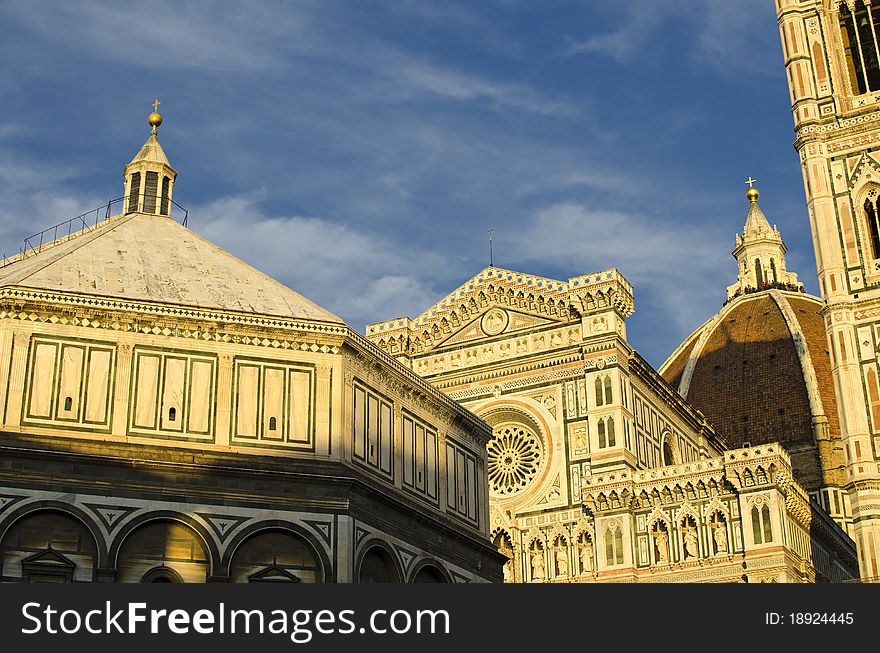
point(362, 277)
point(678, 271)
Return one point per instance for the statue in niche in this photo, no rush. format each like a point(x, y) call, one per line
point(580, 442)
point(538, 565)
point(561, 561)
point(661, 542)
point(720, 536)
point(586, 556)
point(508, 568)
point(690, 542)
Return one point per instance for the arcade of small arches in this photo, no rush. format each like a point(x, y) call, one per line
point(57, 545)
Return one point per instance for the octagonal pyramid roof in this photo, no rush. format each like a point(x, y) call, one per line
point(152, 258)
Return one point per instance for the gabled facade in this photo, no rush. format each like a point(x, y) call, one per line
point(592, 449)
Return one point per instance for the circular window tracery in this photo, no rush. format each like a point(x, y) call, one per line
point(515, 455)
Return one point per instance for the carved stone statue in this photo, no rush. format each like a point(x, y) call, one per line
point(538, 565)
point(690, 543)
point(661, 541)
point(587, 557)
point(508, 570)
point(561, 562)
point(720, 536)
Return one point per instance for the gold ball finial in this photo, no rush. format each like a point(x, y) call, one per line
point(155, 118)
point(752, 192)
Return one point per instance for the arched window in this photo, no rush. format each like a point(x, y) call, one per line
point(608, 395)
point(759, 275)
point(599, 399)
point(765, 519)
point(273, 424)
point(614, 545)
point(756, 525)
point(668, 453)
point(68, 403)
point(602, 441)
point(873, 227)
point(858, 34)
point(773, 270)
point(172, 414)
point(610, 431)
point(762, 529)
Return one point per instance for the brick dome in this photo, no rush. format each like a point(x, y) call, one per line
point(760, 371)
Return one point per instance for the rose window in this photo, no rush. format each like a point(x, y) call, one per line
point(514, 459)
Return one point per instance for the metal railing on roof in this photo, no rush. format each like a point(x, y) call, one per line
point(85, 222)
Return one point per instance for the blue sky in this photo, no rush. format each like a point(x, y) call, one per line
point(359, 151)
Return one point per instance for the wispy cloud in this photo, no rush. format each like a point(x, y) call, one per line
point(712, 33)
point(677, 269)
point(363, 277)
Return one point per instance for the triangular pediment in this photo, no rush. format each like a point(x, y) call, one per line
point(274, 574)
point(495, 321)
point(488, 304)
point(49, 558)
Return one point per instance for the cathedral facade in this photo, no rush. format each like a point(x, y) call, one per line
point(171, 414)
point(599, 470)
point(832, 61)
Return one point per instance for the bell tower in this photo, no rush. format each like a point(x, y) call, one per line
point(831, 57)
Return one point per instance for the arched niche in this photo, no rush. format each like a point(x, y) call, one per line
point(160, 545)
point(275, 555)
point(48, 546)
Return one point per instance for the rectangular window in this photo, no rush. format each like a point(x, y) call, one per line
point(134, 191)
point(151, 190)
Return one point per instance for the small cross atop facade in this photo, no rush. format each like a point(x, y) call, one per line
point(156, 105)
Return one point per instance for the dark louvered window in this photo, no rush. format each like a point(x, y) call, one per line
point(151, 191)
point(134, 191)
point(166, 186)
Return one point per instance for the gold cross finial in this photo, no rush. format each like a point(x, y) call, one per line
point(156, 105)
point(750, 181)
